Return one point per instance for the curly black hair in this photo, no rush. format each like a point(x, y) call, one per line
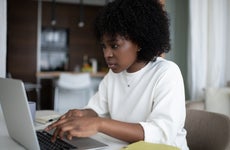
point(144, 22)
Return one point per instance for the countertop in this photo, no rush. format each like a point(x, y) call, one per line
point(55, 74)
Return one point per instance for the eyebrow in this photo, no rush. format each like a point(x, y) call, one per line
point(110, 40)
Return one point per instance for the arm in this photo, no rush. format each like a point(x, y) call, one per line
point(165, 123)
point(84, 123)
point(129, 132)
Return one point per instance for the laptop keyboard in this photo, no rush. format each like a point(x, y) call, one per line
point(45, 143)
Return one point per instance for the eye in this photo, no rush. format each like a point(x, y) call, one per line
point(114, 46)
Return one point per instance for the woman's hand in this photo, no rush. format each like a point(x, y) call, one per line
point(85, 123)
point(80, 123)
point(76, 126)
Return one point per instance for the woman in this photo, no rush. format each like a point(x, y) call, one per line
point(143, 94)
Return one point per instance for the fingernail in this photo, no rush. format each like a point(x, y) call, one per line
point(46, 129)
point(53, 140)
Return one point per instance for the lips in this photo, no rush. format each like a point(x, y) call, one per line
point(111, 65)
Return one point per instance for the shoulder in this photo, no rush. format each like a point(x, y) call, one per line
point(166, 71)
point(163, 65)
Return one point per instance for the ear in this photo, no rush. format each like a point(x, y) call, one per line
point(138, 48)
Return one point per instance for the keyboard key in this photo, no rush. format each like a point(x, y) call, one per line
point(45, 143)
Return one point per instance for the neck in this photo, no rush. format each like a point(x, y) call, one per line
point(137, 66)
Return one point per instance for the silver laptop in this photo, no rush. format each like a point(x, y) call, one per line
point(19, 122)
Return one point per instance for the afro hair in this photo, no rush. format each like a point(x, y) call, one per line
point(144, 22)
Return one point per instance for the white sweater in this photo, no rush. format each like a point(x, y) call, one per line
point(152, 96)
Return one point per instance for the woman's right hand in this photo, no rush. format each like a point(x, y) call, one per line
point(75, 123)
point(73, 113)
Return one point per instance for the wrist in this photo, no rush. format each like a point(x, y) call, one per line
point(101, 124)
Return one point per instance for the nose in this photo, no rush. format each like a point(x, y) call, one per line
point(107, 52)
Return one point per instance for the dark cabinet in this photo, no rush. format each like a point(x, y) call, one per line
point(22, 27)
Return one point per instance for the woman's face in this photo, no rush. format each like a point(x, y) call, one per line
point(120, 54)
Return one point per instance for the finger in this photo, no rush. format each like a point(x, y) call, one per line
point(69, 136)
point(55, 134)
point(58, 133)
point(62, 117)
point(55, 124)
point(68, 114)
point(51, 126)
point(61, 131)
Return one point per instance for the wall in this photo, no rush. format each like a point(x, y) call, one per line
point(3, 38)
point(178, 13)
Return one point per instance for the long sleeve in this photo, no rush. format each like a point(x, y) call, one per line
point(166, 120)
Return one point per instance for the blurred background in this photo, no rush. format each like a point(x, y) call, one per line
point(45, 38)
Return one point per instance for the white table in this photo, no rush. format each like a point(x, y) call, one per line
point(7, 143)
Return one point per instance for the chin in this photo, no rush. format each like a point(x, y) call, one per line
point(116, 70)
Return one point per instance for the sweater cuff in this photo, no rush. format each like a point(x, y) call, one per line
point(152, 134)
